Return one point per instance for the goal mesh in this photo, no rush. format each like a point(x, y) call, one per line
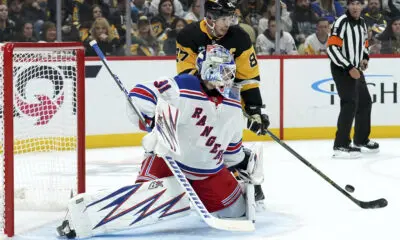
point(45, 128)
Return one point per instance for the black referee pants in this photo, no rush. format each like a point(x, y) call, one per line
point(355, 103)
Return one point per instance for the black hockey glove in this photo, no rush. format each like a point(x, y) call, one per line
point(257, 122)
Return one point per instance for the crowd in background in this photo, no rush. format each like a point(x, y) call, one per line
point(305, 24)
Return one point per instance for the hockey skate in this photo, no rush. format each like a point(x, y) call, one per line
point(368, 147)
point(346, 152)
point(64, 230)
point(259, 198)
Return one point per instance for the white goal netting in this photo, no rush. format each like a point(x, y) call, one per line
point(45, 121)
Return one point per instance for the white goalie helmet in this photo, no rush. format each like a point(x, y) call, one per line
point(216, 65)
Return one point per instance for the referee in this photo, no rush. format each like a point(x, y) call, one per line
point(348, 52)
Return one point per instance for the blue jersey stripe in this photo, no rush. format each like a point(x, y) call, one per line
point(143, 97)
point(232, 104)
point(233, 152)
point(236, 143)
point(194, 97)
point(147, 89)
point(198, 170)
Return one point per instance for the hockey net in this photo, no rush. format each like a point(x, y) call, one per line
point(42, 128)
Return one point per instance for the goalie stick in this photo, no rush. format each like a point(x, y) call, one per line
point(217, 223)
point(378, 203)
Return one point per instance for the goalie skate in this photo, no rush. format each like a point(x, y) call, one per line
point(64, 230)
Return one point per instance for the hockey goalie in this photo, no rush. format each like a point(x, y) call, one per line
point(198, 122)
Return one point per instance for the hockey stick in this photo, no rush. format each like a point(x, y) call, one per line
point(99, 53)
point(379, 203)
point(223, 224)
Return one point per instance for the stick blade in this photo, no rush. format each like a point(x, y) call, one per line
point(379, 203)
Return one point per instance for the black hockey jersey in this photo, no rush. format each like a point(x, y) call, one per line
point(194, 38)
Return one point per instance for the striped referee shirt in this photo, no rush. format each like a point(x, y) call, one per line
point(348, 42)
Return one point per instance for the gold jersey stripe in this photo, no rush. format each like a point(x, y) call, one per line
point(247, 65)
point(185, 59)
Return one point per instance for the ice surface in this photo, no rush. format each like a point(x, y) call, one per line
point(300, 204)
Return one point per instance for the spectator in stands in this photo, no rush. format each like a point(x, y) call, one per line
point(118, 20)
point(48, 33)
point(7, 26)
point(304, 20)
point(286, 21)
point(250, 11)
point(250, 31)
point(139, 8)
point(144, 44)
point(169, 45)
point(32, 12)
point(290, 4)
point(86, 7)
point(390, 8)
point(69, 32)
point(14, 12)
point(102, 32)
point(26, 33)
point(390, 38)
point(185, 6)
point(96, 12)
point(328, 9)
point(164, 19)
point(194, 13)
point(84, 28)
point(43, 6)
point(316, 43)
point(155, 7)
point(394, 6)
point(265, 44)
point(374, 17)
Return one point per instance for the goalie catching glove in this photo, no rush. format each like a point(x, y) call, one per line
point(257, 121)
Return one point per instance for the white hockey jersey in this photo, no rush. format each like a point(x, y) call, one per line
point(313, 46)
point(266, 46)
point(210, 134)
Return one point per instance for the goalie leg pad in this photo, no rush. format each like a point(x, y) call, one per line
point(255, 166)
point(91, 214)
point(250, 203)
point(245, 206)
point(236, 210)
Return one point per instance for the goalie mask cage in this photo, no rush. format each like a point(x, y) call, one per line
point(42, 143)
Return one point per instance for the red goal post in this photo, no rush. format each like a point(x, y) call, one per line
point(42, 104)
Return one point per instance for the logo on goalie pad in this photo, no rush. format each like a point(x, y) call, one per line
point(123, 202)
point(156, 184)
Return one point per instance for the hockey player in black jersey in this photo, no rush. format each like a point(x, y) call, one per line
point(220, 27)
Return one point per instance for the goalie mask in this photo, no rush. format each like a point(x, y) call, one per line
point(217, 67)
